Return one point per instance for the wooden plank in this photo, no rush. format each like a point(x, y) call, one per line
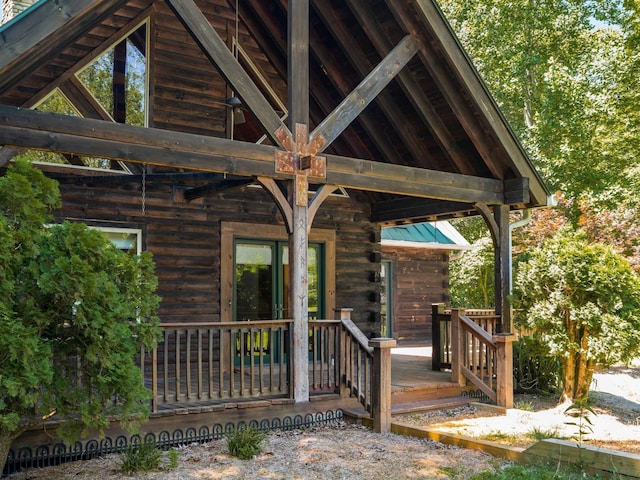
point(30, 30)
point(596, 460)
point(215, 48)
point(355, 103)
point(22, 46)
point(82, 100)
point(416, 208)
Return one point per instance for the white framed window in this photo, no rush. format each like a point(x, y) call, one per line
point(126, 239)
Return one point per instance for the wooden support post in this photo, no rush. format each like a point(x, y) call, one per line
point(298, 87)
point(504, 360)
point(502, 252)
point(343, 314)
point(381, 384)
point(436, 340)
point(457, 347)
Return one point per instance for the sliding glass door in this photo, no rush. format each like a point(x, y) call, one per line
point(261, 284)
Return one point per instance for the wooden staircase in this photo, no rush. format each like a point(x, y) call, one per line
point(427, 397)
point(415, 387)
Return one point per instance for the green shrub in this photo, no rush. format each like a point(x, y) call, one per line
point(538, 434)
point(524, 406)
point(147, 458)
point(535, 370)
point(140, 458)
point(245, 443)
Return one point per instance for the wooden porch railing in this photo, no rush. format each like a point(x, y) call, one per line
point(441, 354)
point(481, 358)
point(207, 363)
point(204, 362)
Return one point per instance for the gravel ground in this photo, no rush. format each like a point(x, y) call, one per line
point(342, 452)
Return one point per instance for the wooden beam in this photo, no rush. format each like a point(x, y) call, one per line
point(355, 103)
point(298, 86)
point(81, 136)
point(388, 178)
point(497, 219)
point(344, 85)
point(213, 187)
point(268, 31)
point(25, 43)
point(320, 196)
point(272, 188)
point(83, 101)
point(216, 50)
point(7, 153)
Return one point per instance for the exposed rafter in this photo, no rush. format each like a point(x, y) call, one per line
point(355, 103)
point(29, 34)
point(414, 92)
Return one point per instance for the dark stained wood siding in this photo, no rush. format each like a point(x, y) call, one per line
point(420, 277)
point(185, 240)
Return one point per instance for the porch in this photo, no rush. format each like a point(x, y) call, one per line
point(221, 366)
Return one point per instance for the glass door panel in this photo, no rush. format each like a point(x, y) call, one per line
point(255, 281)
point(315, 280)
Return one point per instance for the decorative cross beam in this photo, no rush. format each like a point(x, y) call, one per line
point(299, 159)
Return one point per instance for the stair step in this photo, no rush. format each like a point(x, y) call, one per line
point(428, 405)
point(425, 393)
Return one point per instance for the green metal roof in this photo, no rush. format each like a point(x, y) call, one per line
point(435, 233)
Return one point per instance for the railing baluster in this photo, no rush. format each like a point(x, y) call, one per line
point(200, 390)
point(232, 376)
point(187, 363)
point(221, 362)
point(178, 367)
point(210, 362)
point(166, 365)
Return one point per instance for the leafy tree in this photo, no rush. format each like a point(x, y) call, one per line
point(584, 301)
point(569, 89)
point(74, 313)
point(471, 276)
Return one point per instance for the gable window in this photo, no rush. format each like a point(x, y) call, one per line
point(117, 79)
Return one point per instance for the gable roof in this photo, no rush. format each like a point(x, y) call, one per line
point(431, 144)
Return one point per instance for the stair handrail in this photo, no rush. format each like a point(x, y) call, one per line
point(483, 359)
point(365, 371)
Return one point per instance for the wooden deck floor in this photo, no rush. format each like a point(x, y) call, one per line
point(411, 369)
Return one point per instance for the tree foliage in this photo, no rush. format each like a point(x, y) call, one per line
point(565, 75)
point(471, 276)
point(74, 312)
point(583, 299)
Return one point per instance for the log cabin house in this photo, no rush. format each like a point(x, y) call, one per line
point(414, 273)
point(257, 148)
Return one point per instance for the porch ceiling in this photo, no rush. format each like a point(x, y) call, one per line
point(431, 144)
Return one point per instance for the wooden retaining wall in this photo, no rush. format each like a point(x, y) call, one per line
point(607, 463)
